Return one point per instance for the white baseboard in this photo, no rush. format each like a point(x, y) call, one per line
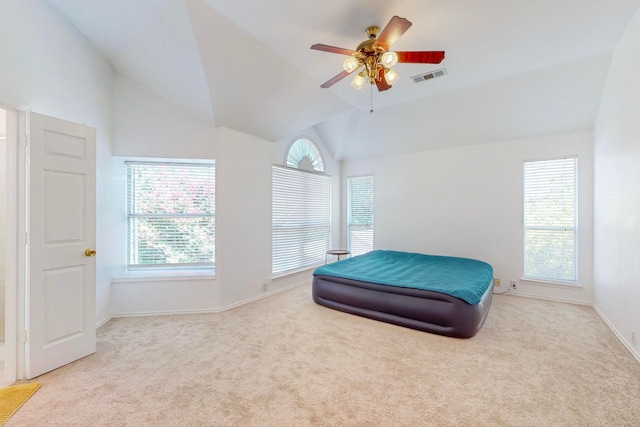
point(621, 337)
point(545, 298)
point(213, 310)
point(264, 295)
point(103, 321)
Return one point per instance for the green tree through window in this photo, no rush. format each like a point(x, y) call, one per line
point(360, 214)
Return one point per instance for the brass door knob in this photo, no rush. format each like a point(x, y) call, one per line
point(90, 252)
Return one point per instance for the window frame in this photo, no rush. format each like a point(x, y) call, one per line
point(208, 266)
point(557, 230)
point(302, 149)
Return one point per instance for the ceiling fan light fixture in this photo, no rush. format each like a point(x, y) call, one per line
point(389, 59)
point(371, 60)
point(358, 81)
point(351, 64)
point(391, 76)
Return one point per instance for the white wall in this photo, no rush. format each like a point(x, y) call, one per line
point(146, 126)
point(467, 202)
point(243, 216)
point(3, 216)
point(52, 69)
point(617, 195)
point(46, 65)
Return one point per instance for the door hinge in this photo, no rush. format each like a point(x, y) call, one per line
point(23, 140)
point(25, 337)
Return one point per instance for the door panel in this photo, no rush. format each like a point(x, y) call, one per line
point(63, 215)
point(61, 283)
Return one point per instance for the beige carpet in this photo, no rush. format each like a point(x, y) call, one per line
point(285, 361)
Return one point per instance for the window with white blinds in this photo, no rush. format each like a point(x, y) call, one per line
point(301, 219)
point(550, 220)
point(171, 215)
point(360, 214)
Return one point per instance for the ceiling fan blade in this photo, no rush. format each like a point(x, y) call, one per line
point(334, 80)
point(332, 49)
point(381, 82)
point(392, 32)
point(433, 57)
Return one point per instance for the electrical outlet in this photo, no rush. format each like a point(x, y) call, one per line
point(264, 287)
point(496, 282)
point(633, 338)
point(514, 284)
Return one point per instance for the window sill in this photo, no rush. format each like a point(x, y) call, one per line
point(164, 275)
point(550, 283)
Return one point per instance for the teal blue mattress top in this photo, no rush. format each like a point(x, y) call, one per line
point(464, 278)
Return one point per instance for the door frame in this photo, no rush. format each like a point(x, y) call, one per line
point(15, 223)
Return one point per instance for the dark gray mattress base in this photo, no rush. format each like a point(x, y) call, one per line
point(413, 308)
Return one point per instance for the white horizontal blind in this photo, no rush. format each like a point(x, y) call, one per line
point(301, 218)
point(360, 214)
point(171, 215)
point(550, 220)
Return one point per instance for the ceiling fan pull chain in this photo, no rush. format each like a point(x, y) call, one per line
point(371, 110)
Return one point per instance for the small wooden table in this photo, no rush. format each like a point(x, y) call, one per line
point(338, 252)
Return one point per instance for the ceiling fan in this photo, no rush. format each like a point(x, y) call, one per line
point(374, 59)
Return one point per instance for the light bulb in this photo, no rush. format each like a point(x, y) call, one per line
point(391, 77)
point(358, 81)
point(351, 64)
point(389, 59)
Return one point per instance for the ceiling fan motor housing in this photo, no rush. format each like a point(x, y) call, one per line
point(369, 54)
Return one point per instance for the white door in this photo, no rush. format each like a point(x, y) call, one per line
point(61, 276)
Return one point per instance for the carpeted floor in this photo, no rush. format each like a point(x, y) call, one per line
point(285, 361)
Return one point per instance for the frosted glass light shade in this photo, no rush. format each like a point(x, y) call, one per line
point(389, 59)
point(358, 81)
point(391, 77)
point(350, 64)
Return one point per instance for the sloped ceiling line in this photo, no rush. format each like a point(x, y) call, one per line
point(252, 89)
point(247, 65)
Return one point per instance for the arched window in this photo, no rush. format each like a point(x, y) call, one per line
point(301, 210)
point(303, 154)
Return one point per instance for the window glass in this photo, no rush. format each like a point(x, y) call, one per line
point(170, 215)
point(550, 220)
point(303, 154)
point(360, 214)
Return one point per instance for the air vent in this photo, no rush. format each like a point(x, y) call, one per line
point(430, 75)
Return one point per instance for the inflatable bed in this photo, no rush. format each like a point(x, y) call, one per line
point(443, 295)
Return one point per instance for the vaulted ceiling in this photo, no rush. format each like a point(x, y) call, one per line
point(515, 68)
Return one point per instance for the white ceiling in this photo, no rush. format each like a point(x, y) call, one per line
point(515, 68)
